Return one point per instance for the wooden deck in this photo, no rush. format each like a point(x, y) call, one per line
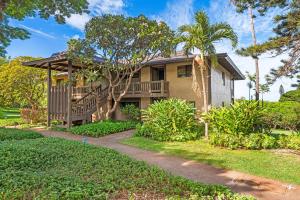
point(84, 103)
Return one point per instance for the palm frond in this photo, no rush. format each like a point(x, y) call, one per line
point(221, 31)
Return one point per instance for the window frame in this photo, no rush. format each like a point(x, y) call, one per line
point(187, 72)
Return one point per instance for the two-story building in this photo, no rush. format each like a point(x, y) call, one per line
point(161, 78)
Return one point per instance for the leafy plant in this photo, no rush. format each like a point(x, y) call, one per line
point(170, 120)
point(131, 111)
point(33, 116)
point(102, 128)
point(290, 142)
point(16, 134)
point(241, 118)
point(51, 168)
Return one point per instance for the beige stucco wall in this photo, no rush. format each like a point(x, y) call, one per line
point(182, 87)
point(220, 93)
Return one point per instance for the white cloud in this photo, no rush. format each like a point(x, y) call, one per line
point(96, 7)
point(177, 13)
point(38, 32)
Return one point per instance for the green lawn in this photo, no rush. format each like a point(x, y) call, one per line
point(262, 163)
point(281, 131)
point(10, 117)
point(51, 168)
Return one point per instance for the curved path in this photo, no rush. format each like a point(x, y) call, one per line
point(261, 188)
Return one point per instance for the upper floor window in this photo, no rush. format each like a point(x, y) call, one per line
point(223, 77)
point(184, 71)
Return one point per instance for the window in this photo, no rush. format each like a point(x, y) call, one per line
point(184, 71)
point(223, 77)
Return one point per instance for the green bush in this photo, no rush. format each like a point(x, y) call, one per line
point(293, 95)
point(241, 118)
point(132, 112)
point(16, 134)
point(283, 115)
point(51, 168)
point(170, 120)
point(290, 141)
point(11, 122)
point(102, 128)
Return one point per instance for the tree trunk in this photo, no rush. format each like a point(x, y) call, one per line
point(252, 28)
point(109, 106)
point(205, 102)
point(2, 7)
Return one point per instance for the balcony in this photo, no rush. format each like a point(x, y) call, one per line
point(146, 89)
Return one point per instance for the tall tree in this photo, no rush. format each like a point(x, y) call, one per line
point(251, 78)
point(261, 7)
point(125, 45)
point(15, 9)
point(202, 36)
point(23, 86)
point(281, 90)
point(264, 88)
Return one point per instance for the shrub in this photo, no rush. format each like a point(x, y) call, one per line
point(293, 95)
point(284, 115)
point(16, 134)
point(33, 116)
point(290, 141)
point(170, 120)
point(11, 122)
point(241, 118)
point(132, 112)
point(103, 128)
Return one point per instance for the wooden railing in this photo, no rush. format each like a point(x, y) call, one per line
point(58, 102)
point(145, 89)
point(87, 105)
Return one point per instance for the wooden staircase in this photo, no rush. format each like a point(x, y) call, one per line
point(81, 109)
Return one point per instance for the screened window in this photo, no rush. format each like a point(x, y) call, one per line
point(223, 78)
point(184, 71)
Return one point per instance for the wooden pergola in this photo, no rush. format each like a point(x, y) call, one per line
point(58, 62)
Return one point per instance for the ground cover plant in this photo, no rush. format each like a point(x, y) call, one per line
point(274, 164)
point(170, 120)
point(102, 128)
point(16, 134)
point(51, 168)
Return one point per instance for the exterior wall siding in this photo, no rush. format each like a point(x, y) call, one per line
point(220, 93)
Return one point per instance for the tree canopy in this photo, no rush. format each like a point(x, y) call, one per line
point(124, 45)
point(22, 86)
point(15, 9)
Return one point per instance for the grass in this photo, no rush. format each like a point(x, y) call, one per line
point(282, 132)
point(51, 168)
point(10, 117)
point(9, 113)
point(283, 167)
point(102, 128)
point(16, 134)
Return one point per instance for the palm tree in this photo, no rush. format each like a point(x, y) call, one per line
point(252, 79)
point(202, 36)
point(264, 88)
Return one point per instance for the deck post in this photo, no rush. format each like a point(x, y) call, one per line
point(49, 84)
point(69, 109)
point(162, 87)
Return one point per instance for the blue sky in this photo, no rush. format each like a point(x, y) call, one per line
point(48, 37)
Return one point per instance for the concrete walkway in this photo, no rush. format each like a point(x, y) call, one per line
point(261, 188)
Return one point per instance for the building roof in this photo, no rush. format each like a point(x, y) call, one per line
point(59, 62)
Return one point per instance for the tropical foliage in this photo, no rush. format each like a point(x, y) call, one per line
point(102, 128)
point(293, 95)
point(170, 120)
point(131, 111)
point(202, 36)
point(284, 115)
point(16, 134)
point(113, 38)
point(49, 168)
point(43, 8)
point(22, 86)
